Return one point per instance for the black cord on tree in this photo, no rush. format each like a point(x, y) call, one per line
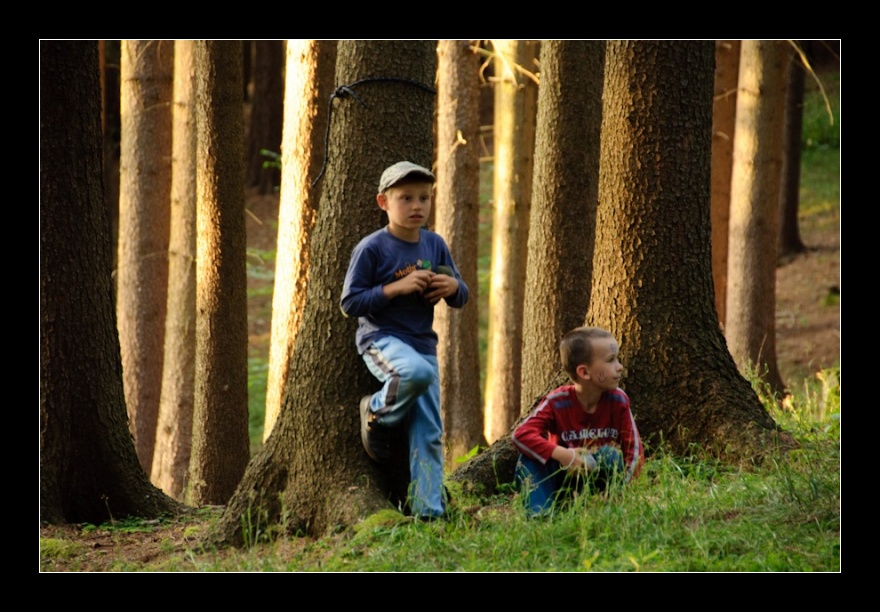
point(346, 90)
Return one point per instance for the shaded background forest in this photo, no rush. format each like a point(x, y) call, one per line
point(262, 203)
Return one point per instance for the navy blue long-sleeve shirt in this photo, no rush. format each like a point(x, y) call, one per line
point(380, 259)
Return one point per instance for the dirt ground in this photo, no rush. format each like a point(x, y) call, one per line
point(808, 339)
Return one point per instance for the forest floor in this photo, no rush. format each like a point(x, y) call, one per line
point(807, 340)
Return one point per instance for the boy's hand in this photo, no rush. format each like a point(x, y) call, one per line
point(581, 460)
point(414, 282)
point(441, 286)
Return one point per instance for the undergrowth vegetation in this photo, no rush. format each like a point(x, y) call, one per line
point(684, 514)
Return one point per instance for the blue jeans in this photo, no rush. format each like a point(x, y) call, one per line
point(410, 397)
point(542, 485)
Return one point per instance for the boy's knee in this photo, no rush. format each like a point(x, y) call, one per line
point(609, 459)
point(419, 377)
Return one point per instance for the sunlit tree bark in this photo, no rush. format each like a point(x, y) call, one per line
point(144, 221)
point(754, 209)
point(311, 66)
point(513, 143)
point(457, 219)
point(174, 429)
point(220, 446)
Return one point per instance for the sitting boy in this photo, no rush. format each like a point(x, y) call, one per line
point(581, 433)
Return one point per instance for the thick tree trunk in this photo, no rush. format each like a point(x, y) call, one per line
point(563, 208)
point(221, 445)
point(457, 213)
point(652, 275)
point(754, 209)
point(174, 429)
point(312, 472)
point(144, 222)
point(89, 470)
point(723, 125)
point(513, 150)
point(311, 67)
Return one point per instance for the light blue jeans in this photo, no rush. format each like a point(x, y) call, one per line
point(410, 397)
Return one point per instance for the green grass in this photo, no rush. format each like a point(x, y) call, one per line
point(820, 154)
point(681, 515)
point(258, 373)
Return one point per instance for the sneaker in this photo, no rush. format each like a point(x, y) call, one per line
point(374, 437)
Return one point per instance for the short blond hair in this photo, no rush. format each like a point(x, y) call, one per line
point(576, 347)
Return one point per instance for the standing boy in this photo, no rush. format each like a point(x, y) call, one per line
point(395, 277)
point(584, 429)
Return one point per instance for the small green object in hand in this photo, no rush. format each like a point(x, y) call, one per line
point(444, 270)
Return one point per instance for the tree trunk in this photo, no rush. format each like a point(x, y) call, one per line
point(89, 470)
point(313, 472)
point(514, 143)
point(221, 445)
point(652, 275)
point(563, 209)
point(144, 222)
point(754, 209)
point(723, 124)
point(174, 430)
point(457, 215)
point(311, 67)
point(790, 243)
point(110, 124)
point(267, 112)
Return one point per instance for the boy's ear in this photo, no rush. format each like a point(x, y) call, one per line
point(583, 371)
point(382, 200)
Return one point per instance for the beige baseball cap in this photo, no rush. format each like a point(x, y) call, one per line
point(396, 173)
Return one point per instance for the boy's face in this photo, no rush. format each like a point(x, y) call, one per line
point(605, 371)
point(408, 207)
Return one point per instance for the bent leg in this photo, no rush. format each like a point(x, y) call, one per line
point(404, 373)
point(609, 467)
point(537, 484)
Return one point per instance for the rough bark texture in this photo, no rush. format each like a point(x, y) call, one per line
point(110, 123)
point(723, 124)
point(456, 213)
point(652, 280)
point(311, 67)
point(89, 471)
point(144, 221)
point(220, 446)
point(267, 112)
point(513, 151)
point(312, 474)
point(790, 242)
point(563, 209)
point(754, 209)
point(174, 429)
